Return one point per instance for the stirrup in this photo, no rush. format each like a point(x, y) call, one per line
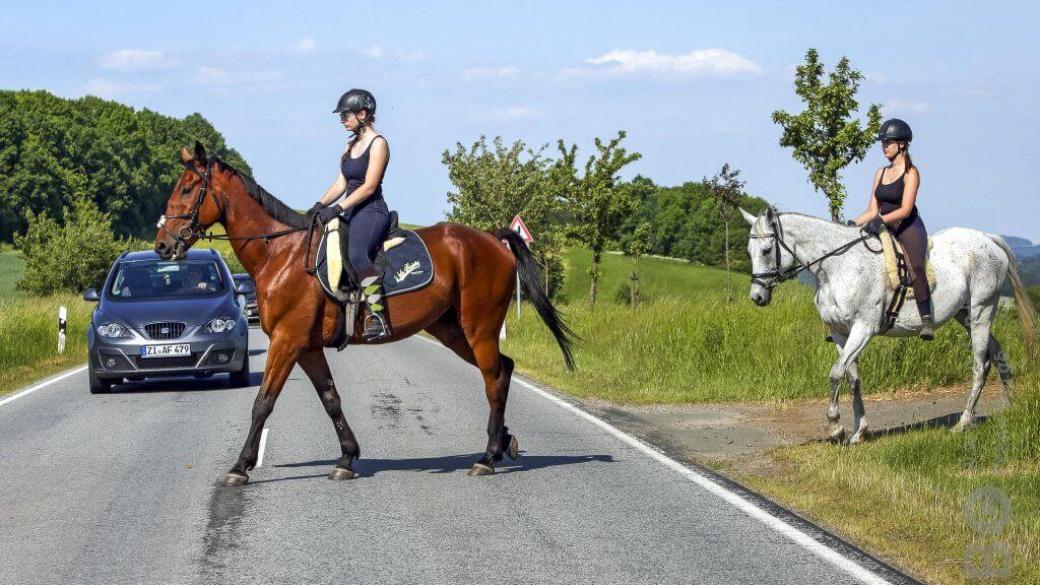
point(376, 327)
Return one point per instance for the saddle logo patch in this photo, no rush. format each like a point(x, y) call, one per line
point(407, 270)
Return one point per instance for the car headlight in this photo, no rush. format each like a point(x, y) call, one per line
point(220, 325)
point(112, 330)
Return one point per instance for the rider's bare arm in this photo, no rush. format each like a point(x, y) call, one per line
point(336, 189)
point(378, 155)
point(872, 206)
point(910, 183)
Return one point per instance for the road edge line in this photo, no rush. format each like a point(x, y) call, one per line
point(703, 480)
point(43, 384)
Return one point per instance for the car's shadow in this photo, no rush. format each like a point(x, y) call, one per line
point(455, 463)
point(184, 384)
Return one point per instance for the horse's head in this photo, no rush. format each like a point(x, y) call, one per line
point(192, 207)
point(770, 256)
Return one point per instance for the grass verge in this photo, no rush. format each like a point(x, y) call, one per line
point(29, 338)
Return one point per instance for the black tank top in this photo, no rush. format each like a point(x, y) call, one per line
point(354, 170)
point(890, 197)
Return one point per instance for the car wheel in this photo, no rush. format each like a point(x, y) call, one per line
point(98, 385)
point(241, 377)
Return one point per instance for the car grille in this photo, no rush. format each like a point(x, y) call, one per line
point(164, 330)
point(167, 362)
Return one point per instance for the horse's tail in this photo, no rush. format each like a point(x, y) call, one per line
point(527, 267)
point(1026, 313)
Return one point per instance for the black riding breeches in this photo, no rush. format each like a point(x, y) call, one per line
point(913, 236)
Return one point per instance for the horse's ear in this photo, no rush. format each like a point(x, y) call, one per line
point(200, 154)
point(186, 156)
point(748, 217)
point(770, 214)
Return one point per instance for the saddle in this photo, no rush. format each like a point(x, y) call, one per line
point(403, 261)
point(899, 278)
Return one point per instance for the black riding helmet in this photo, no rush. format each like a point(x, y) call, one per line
point(356, 100)
point(895, 129)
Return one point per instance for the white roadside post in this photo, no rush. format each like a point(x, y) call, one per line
point(62, 316)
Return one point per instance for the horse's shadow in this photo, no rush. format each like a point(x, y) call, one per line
point(943, 421)
point(455, 463)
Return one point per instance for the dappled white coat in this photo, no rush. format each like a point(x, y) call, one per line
point(852, 293)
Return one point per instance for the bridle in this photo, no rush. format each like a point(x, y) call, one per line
point(194, 229)
point(778, 275)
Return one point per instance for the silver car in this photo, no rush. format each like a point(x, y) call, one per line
point(167, 318)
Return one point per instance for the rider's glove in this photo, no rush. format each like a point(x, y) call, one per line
point(315, 209)
point(873, 226)
point(329, 213)
point(851, 223)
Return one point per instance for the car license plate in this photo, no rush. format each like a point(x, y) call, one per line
point(157, 351)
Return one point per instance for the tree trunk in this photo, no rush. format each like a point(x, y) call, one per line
point(596, 257)
point(729, 275)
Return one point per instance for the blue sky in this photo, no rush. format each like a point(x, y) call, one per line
point(693, 84)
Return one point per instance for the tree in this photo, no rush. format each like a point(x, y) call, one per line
point(495, 184)
point(727, 191)
point(598, 200)
point(825, 137)
point(69, 257)
point(638, 246)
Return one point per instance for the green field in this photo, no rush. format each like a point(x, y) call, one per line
point(688, 345)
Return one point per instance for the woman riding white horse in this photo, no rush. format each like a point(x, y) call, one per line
point(970, 268)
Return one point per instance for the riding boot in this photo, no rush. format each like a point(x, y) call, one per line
point(927, 323)
point(377, 324)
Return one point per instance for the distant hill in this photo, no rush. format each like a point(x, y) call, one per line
point(1022, 247)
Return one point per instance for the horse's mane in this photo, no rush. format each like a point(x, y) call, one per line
point(271, 204)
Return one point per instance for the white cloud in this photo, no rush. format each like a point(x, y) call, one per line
point(107, 88)
point(305, 46)
point(515, 113)
point(378, 52)
point(718, 62)
point(875, 78)
point(373, 52)
point(897, 106)
point(207, 75)
point(487, 73)
point(136, 60)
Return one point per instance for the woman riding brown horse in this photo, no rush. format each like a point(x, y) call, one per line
point(464, 307)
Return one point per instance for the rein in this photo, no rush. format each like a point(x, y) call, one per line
point(777, 275)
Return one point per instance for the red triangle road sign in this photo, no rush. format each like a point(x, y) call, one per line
point(518, 226)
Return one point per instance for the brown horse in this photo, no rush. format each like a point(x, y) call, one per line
point(464, 307)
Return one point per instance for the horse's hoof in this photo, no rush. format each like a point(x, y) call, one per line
point(837, 435)
point(860, 437)
point(480, 469)
point(340, 473)
point(233, 479)
point(514, 448)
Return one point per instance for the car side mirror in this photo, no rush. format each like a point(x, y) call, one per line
point(90, 295)
point(245, 287)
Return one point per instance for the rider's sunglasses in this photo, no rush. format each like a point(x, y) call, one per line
point(888, 141)
point(344, 115)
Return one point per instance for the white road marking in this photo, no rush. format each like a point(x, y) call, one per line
point(43, 385)
point(260, 454)
point(801, 538)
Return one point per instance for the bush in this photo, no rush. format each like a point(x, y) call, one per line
point(69, 257)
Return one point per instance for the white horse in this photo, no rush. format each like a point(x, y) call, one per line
point(852, 293)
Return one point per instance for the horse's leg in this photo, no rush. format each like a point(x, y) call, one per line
point(497, 371)
point(859, 413)
point(317, 369)
point(849, 350)
point(280, 360)
point(996, 355)
point(978, 325)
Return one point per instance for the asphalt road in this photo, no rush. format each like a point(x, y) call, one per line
point(124, 488)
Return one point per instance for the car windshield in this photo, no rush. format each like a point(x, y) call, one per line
point(156, 279)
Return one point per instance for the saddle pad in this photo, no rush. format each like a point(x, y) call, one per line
point(888, 245)
point(408, 266)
